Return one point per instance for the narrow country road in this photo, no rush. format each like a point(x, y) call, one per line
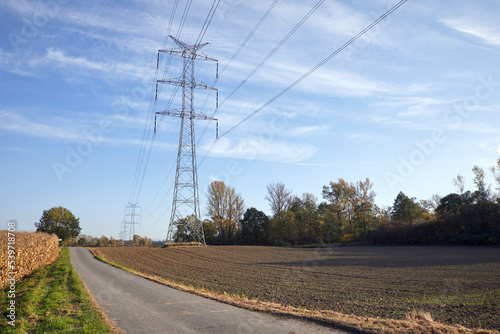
point(139, 305)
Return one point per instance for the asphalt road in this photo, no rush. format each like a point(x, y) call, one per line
point(139, 305)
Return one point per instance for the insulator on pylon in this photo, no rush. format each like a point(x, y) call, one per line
point(158, 60)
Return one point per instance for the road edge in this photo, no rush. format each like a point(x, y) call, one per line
point(95, 305)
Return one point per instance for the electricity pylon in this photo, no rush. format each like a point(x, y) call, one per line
point(185, 215)
point(123, 232)
point(132, 221)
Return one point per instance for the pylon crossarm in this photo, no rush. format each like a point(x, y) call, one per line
point(174, 52)
point(182, 53)
point(203, 86)
point(180, 113)
point(203, 56)
point(180, 82)
point(183, 45)
point(176, 82)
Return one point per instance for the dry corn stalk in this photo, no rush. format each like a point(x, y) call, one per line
point(32, 251)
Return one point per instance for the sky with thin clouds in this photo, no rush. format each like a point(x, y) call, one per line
point(411, 104)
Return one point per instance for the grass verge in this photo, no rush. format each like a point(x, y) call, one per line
point(414, 322)
point(53, 299)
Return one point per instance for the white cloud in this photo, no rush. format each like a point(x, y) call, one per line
point(58, 57)
point(308, 130)
point(16, 123)
point(363, 137)
point(329, 82)
point(488, 33)
point(261, 149)
point(104, 70)
point(65, 131)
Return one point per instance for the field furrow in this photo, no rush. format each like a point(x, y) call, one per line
point(457, 285)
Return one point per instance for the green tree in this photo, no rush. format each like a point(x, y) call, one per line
point(283, 229)
point(253, 227)
point(210, 232)
point(104, 241)
point(364, 219)
point(184, 229)
point(331, 222)
point(308, 218)
point(60, 221)
point(82, 241)
point(406, 209)
point(350, 208)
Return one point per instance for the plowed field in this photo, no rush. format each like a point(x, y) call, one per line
point(457, 285)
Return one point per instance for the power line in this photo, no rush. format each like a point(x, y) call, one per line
point(249, 36)
point(134, 193)
point(305, 75)
point(143, 159)
point(207, 22)
point(158, 192)
point(270, 54)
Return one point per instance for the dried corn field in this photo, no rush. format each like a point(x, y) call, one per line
point(32, 251)
point(457, 285)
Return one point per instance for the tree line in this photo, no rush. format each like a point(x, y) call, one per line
point(347, 213)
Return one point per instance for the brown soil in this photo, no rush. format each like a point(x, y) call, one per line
point(456, 285)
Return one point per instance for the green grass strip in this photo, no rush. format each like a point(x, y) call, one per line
point(52, 300)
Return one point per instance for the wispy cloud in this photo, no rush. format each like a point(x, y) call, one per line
point(61, 59)
point(16, 149)
point(261, 149)
point(487, 32)
point(308, 130)
point(13, 122)
point(330, 82)
point(62, 130)
point(363, 137)
point(106, 69)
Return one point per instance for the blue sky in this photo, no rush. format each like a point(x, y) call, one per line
point(410, 105)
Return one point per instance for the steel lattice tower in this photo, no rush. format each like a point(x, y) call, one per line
point(185, 215)
point(133, 215)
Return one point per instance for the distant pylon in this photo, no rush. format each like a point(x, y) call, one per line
point(133, 219)
point(186, 203)
point(123, 232)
